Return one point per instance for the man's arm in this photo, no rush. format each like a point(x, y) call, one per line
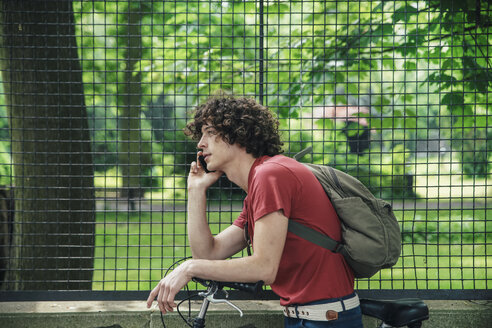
point(269, 240)
point(203, 244)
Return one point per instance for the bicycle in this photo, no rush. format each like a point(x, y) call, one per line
point(392, 313)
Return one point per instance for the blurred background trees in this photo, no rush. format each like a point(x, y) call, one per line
point(395, 93)
point(417, 71)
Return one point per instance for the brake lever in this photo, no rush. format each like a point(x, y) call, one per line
point(211, 298)
point(209, 295)
point(211, 290)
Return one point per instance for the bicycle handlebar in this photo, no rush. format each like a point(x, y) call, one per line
point(253, 288)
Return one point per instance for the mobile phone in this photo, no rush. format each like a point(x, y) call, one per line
point(204, 164)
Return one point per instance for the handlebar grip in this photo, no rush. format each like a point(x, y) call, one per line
point(253, 288)
point(201, 281)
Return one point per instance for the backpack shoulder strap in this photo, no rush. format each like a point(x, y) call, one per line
point(309, 234)
point(328, 178)
point(313, 236)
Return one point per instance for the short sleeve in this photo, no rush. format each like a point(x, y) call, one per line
point(242, 218)
point(274, 188)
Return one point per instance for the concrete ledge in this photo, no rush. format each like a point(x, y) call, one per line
point(92, 314)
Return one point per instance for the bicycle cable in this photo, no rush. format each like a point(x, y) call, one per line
point(189, 320)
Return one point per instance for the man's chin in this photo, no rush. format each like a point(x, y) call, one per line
point(211, 168)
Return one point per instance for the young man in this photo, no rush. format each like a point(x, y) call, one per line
point(239, 137)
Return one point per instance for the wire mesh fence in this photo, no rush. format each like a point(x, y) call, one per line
point(94, 96)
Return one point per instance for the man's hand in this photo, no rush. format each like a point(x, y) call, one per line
point(168, 287)
point(198, 179)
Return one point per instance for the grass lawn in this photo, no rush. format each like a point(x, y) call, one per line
point(441, 249)
point(442, 178)
point(133, 251)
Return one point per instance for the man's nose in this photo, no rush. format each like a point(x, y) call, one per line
point(201, 142)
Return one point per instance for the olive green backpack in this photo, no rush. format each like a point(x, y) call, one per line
point(371, 238)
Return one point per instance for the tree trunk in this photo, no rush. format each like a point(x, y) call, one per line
point(134, 156)
point(53, 234)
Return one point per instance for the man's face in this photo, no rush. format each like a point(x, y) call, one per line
point(216, 151)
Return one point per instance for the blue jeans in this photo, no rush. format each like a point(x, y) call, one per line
point(346, 319)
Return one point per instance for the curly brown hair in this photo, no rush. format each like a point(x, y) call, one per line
point(238, 120)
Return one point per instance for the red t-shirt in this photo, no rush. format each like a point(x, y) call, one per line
point(307, 272)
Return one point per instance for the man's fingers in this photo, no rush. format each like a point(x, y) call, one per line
point(159, 302)
point(152, 295)
point(165, 299)
point(162, 295)
point(170, 300)
point(166, 290)
point(194, 167)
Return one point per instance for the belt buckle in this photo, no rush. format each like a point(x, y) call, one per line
point(331, 315)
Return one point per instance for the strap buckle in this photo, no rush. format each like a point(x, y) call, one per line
point(338, 248)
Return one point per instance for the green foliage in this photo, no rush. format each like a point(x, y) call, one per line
point(475, 147)
point(103, 126)
point(416, 65)
point(386, 176)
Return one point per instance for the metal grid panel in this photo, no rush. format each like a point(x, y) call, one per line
point(95, 94)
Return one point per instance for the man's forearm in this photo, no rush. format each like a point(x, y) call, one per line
point(249, 269)
point(246, 269)
point(199, 234)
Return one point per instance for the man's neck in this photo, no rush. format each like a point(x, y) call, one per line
point(238, 172)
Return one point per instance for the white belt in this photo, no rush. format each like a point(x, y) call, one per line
point(321, 312)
